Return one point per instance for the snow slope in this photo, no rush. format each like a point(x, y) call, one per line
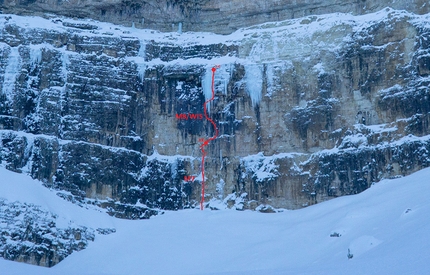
point(386, 229)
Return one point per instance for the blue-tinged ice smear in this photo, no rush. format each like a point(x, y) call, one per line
point(270, 77)
point(221, 80)
point(273, 76)
point(13, 67)
point(35, 55)
point(254, 82)
point(207, 86)
point(65, 65)
point(140, 61)
point(65, 61)
point(180, 28)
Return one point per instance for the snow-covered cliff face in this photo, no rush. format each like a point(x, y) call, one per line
point(307, 109)
point(221, 16)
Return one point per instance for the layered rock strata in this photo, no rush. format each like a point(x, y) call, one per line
point(307, 109)
point(222, 16)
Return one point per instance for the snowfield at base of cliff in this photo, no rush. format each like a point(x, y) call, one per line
point(383, 230)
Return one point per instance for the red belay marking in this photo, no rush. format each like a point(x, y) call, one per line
point(189, 178)
point(206, 141)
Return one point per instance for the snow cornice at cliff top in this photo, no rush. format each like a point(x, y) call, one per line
point(305, 27)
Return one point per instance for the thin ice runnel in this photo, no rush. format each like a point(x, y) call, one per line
point(141, 66)
point(207, 87)
point(11, 72)
point(65, 61)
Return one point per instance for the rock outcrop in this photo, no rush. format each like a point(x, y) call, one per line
point(307, 109)
point(223, 16)
point(31, 235)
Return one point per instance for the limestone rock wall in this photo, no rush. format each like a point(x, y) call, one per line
point(224, 16)
point(307, 109)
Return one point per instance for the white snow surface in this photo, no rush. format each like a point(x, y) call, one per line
point(386, 229)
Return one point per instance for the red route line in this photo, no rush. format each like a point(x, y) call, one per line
point(206, 141)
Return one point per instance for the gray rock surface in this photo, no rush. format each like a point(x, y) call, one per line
point(307, 109)
point(222, 16)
